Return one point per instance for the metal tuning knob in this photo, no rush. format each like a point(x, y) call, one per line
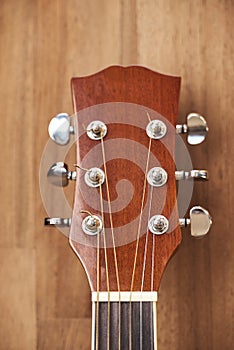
point(62, 222)
point(199, 220)
point(59, 174)
point(198, 175)
point(60, 129)
point(196, 129)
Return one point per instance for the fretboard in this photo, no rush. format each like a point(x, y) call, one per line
point(124, 325)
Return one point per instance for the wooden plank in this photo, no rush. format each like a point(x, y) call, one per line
point(16, 142)
point(65, 334)
point(17, 299)
point(66, 44)
point(43, 44)
point(194, 40)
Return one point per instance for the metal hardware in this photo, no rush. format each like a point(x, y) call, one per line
point(60, 129)
point(157, 177)
point(94, 177)
point(156, 129)
point(96, 130)
point(57, 222)
point(196, 128)
point(158, 224)
point(198, 175)
point(199, 220)
point(92, 225)
point(59, 175)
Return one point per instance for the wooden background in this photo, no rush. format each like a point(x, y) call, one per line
point(44, 295)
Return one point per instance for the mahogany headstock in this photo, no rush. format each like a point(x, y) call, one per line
point(125, 255)
point(153, 95)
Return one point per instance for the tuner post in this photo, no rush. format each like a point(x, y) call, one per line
point(91, 224)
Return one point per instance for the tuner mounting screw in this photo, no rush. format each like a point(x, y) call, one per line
point(156, 129)
point(157, 177)
point(96, 130)
point(158, 224)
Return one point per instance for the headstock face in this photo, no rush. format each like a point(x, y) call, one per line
point(125, 99)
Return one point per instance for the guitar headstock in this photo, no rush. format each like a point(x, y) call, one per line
point(125, 224)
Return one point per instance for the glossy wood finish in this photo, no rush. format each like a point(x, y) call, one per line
point(45, 43)
point(160, 93)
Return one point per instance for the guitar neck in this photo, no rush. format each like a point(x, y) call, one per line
point(124, 325)
point(125, 224)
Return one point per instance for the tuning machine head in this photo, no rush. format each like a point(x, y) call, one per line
point(59, 174)
point(60, 129)
point(62, 222)
point(196, 129)
point(199, 220)
point(197, 175)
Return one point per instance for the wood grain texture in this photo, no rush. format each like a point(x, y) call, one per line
point(135, 85)
point(45, 43)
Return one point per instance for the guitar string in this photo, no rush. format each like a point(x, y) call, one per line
point(144, 265)
point(107, 271)
point(145, 254)
point(146, 240)
point(137, 244)
point(146, 243)
point(113, 240)
point(98, 277)
point(152, 288)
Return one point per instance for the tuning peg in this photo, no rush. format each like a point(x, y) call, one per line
point(62, 222)
point(60, 129)
point(59, 175)
point(196, 128)
point(199, 220)
point(198, 175)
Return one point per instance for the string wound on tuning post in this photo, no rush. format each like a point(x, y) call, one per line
point(96, 130)
point(80, 167)
point(94, 177)
point(149, 118)
point(91, 224)
point(83, 211)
